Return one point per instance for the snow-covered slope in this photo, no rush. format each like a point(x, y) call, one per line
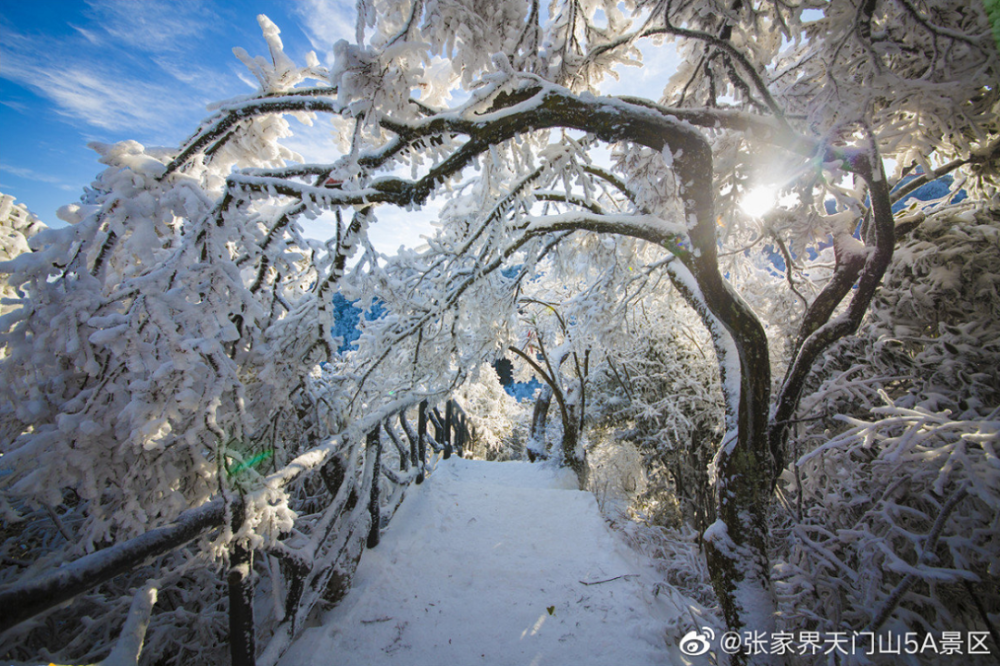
point(487, 563)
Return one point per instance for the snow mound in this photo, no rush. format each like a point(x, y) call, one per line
point(488, 563)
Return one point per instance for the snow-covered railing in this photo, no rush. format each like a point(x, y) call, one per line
point(23, 601)
point(320, 568)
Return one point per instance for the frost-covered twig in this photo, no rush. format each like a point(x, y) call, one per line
point(129, 646)
point(927, 556)
point(607, 580)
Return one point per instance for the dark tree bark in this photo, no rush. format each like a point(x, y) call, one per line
point(539, 418)
point(375, 448)
point(242, 641)
point(422, 439)
point(448, 426)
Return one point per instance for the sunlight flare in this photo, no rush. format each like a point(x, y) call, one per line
point(759, 201)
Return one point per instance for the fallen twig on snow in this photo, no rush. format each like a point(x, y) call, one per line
point(598, 582)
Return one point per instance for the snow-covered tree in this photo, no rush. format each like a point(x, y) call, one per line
point(177, 329)
point(891, 509)
point(17, 226)
point(168, 348)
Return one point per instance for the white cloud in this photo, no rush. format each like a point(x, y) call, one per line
point(152, 25)
point(105, 99)
point(90, 35)
point(122, 71)
point(323, 228)
point(29, 174)
point(325, 22)
point(200, 77)
point(17, 106)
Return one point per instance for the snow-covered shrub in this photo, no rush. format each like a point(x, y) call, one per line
point(892, 509)
point(617, 474)
point(492, 413)
point(932, 338)
point(189, 623)
point(17, 226)
point(864, 514)
point(666, 398)
point(679, 558)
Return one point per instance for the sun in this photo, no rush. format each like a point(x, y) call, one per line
point(759, 201)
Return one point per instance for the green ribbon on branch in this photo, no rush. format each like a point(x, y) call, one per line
point(252, 462)
point(993, 14)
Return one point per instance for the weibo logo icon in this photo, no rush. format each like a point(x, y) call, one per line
point(695, 643)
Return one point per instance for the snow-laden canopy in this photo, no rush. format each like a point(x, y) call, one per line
point(174, 345)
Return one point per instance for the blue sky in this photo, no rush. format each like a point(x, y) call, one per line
point(110, 70)
point(72, 72)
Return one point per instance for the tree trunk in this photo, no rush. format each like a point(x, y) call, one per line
point(375, 448)
point(422, 440)
point(242, 647)
point(448, 426)
point(539, 418)
point(574, 455)
point(736, 543)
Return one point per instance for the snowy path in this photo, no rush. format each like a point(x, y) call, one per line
point(482, 565)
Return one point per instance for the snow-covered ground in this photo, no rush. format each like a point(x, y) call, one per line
point(489, 563)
